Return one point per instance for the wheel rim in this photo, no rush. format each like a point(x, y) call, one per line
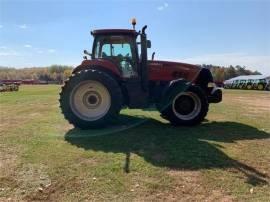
point(260, 87)
point(186, 105)
point(90, 100)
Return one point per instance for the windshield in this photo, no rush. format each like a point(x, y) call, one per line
point(113, 46)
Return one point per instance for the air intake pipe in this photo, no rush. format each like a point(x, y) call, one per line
point(144, 67)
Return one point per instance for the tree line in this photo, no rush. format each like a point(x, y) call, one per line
point(221, 74)
point(59, 73)
point(53, 73)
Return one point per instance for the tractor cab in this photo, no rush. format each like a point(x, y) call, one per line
point(123, 49)
point(119, 47)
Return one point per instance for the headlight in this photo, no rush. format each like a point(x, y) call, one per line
point(211, 85)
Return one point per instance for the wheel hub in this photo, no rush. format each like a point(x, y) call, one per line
point(90, 100)
point(186, 105)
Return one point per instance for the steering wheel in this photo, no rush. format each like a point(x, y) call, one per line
point(129, 61)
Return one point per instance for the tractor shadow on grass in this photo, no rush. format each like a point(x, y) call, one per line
point(178, 148)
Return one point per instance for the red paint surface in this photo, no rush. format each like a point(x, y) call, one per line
point(158, 70)
point(167, 71)
point(98, 62)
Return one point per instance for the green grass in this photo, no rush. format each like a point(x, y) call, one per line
point(140, 157)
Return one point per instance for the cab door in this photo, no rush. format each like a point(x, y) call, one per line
point(122, 51)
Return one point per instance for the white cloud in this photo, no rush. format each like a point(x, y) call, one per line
point(9, 53)
point(162, 7)
point(51, 50)
point(1, 26)
point(23, 26)
point(253, 62)
point(39, 51)
point(27, 46)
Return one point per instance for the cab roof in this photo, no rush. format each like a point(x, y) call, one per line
point(114, 31)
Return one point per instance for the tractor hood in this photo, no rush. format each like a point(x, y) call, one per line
point(167, 71)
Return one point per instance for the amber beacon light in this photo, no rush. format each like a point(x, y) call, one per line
point(133, 22)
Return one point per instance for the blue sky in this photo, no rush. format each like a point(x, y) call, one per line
point(40, 33)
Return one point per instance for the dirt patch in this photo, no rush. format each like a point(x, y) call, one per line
point(56, 191)
point(31, 177)
point(188, 186)
point(16, 186)
point(7, 124)
point(8, 163)
point(261, 102)
point(7, 160)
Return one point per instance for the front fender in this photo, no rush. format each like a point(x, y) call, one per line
point(178, 85)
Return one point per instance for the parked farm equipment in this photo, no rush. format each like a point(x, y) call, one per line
point(9, 87)
point(251, 82)
point(260, 84)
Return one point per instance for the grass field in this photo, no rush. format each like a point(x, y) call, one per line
point(140, 158)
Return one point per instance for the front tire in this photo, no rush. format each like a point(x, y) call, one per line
point(186, 108)
point(90, 99)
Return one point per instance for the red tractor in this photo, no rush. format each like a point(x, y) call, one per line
point(119, 75)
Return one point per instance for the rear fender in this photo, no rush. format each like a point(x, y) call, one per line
point(101, 64)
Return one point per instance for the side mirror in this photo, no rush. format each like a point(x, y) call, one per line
point(87, 53)
point(148, 42)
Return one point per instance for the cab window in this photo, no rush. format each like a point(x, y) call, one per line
point(119, 50)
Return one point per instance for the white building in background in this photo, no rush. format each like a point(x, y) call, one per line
point(247, 77)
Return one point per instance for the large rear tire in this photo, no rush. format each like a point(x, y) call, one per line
point(90, 99)
point(186, 108)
